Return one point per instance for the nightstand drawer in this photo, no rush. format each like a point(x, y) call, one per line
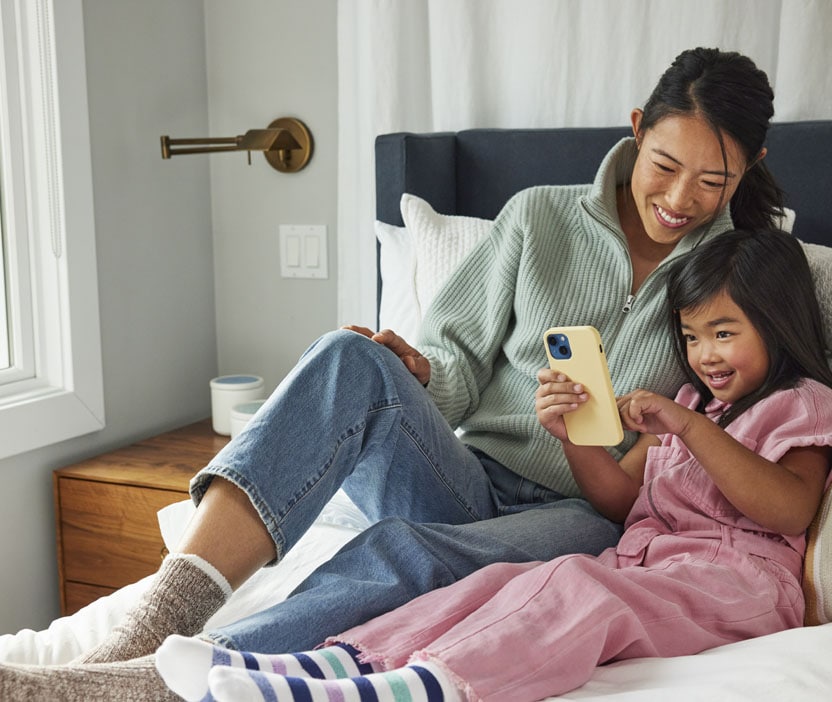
point(78, 595)
point(105, 510)
point(110, 534)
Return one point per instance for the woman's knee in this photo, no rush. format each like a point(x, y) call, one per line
point(343, 346)
point(338, 339)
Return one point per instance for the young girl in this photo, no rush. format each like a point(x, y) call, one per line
point(717, 492)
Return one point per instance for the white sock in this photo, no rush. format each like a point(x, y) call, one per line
point(184, 664)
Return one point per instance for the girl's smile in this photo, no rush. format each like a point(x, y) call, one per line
point(724, 348)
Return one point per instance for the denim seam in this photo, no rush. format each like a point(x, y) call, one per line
point(313, 481)
point(410, 432)
point(355, 431)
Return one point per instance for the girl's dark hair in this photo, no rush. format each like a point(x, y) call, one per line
point(768, 277)
point(734, 97)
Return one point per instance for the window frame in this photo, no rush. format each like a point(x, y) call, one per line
point(53, 390)
point(5, 355)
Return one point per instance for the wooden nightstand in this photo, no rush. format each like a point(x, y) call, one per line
point(105, 510)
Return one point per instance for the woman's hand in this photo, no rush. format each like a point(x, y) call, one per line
point(415, 362)
point(649, 413)
point(556, 396)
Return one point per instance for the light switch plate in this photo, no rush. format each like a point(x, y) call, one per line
point(303, 251)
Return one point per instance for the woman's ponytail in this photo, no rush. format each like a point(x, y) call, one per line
point(758, 200)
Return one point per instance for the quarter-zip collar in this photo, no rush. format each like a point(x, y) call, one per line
point(601, 205)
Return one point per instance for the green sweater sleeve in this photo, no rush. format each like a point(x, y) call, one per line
point(466, 324)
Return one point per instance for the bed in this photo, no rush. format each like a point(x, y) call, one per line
point(435, 197)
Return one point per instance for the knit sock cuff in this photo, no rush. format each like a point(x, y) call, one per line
point(208, 569)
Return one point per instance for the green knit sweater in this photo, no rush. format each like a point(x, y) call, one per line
point(556, 255)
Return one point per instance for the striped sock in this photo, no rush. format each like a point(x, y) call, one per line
point(184, 664)
point(413, 683)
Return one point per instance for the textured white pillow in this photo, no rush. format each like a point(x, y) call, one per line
point(820, 263)
point(398, 309)
point(440, 241)
point(787, 220)
point(817, 565)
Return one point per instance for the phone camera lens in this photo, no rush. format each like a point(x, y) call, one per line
point(559, 346)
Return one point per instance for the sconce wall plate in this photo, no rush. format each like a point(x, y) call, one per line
point(291, 160)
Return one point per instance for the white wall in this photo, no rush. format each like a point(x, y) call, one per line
point(269, 59)
point(163, 228)
point(146, 76)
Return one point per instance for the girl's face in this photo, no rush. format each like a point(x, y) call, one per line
point(680, 179)
point(724, 348)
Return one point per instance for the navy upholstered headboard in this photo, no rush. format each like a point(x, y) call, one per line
point(475, 172)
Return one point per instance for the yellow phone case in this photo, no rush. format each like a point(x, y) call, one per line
point(581, 357)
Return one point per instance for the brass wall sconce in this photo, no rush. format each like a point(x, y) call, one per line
point(287, 144)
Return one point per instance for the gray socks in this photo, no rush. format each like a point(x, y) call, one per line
point(185, 593)
point(131, 681)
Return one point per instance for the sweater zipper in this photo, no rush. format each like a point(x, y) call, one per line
point(604, 220)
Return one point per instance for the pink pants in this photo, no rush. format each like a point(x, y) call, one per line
point(527, 631)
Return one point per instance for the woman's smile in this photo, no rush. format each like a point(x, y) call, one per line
point(670, 219)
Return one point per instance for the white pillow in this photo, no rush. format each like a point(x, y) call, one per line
point(787, 220)
point(817, 565)
point(440, 242)
point(398, 308)
point(820, 263)
point(415, 261)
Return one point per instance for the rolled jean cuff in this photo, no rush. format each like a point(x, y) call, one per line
point(202, 480)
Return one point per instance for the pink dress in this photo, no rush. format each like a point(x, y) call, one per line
point(690, 573)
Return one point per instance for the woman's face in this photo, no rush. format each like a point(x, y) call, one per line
point(680, 179)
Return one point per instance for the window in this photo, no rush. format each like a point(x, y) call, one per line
point(51, 385)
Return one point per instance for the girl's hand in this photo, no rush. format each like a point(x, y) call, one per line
point(649, 413)
point(415, 362)
point(556, 396)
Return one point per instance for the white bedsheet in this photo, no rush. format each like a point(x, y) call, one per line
point(68, 637)
point(793, 665)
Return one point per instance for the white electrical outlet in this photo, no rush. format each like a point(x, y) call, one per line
point(303, 251)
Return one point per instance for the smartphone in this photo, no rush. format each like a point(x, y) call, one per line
point(578, 353)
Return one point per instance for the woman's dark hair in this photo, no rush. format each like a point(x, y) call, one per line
point(768, 277)
point(734, 97)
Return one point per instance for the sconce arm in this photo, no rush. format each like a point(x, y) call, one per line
point(280, 141)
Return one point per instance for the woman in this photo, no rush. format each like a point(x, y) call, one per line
point(586, 254)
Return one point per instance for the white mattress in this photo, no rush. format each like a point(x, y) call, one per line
point(792, 665)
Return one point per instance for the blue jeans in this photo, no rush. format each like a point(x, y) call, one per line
point(351, 415)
